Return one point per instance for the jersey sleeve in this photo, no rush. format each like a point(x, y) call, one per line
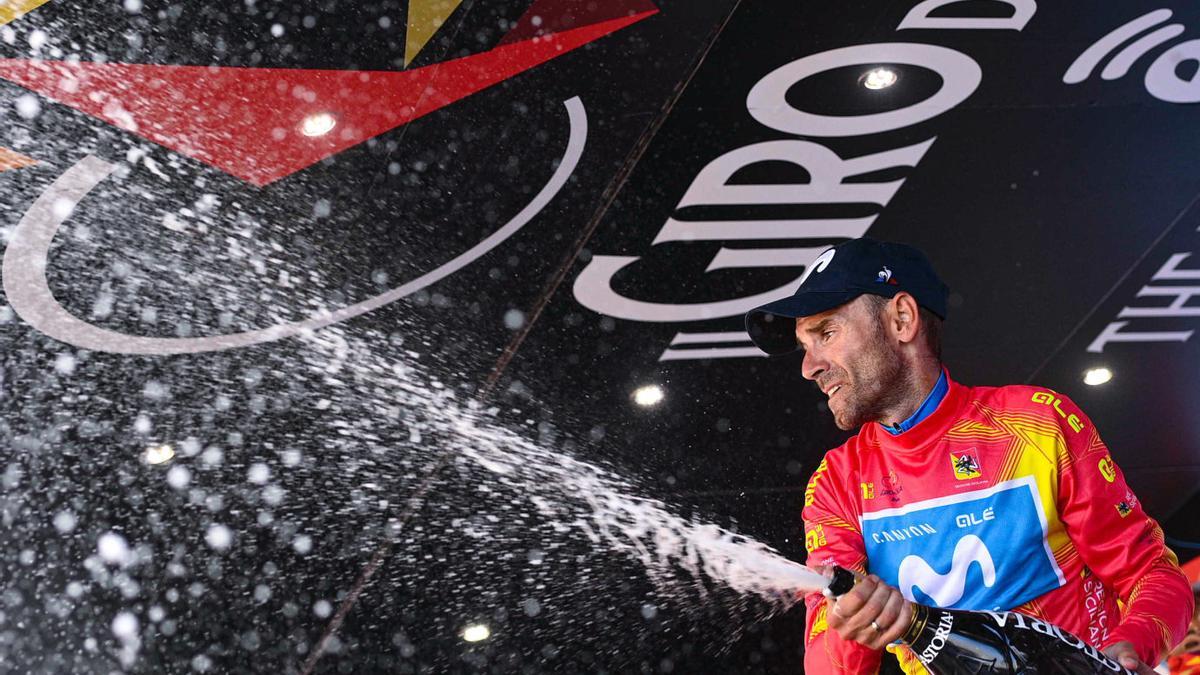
point(832, 536)
point(1118, 541)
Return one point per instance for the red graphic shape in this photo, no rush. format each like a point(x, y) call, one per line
point(247, 121)
point(548, 17)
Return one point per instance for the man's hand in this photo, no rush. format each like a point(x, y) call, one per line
point(1124, 654)
point(872, 613)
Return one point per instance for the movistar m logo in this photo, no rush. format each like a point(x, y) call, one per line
point(989, 549)
point(947, 589)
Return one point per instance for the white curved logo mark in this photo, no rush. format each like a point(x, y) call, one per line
point(818, 265)
point(947, 589)
point(29, 294)
point(1162, 79)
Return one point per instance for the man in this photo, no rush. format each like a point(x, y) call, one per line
point(996, 498)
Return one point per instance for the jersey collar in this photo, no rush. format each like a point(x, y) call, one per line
point(930, 404)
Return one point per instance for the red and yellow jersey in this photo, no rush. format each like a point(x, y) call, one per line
point(1184, 664)
point(1001, 499)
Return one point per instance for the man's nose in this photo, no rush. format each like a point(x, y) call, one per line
point(813, 365)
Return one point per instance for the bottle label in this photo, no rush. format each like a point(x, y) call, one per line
point(945, 625)
point(1003, 619)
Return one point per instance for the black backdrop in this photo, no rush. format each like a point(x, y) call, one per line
point(1050, 207)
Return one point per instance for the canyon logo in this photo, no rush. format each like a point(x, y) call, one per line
point(262, 125)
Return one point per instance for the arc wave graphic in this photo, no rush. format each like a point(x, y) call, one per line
point(28, 293)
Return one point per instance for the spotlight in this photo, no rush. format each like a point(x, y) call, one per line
point(648, 395)
point(157, 454)
point(318, 124)
point(1096, 376)
point(476, 633)
point(879, 78)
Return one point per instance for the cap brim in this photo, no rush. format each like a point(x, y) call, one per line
point(772, 326)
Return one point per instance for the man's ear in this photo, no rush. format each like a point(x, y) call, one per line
point(905, 316)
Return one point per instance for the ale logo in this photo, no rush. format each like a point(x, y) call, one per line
point(1108, 469)
point(1001, 563)
point(965, 464)
point(814, 539)
point(810, 492)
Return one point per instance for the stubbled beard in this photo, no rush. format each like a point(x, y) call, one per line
point(879, 380)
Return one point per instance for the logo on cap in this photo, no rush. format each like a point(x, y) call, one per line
point(818, 265)
point(885, 277)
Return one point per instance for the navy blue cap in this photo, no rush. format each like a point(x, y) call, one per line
point(841, 274)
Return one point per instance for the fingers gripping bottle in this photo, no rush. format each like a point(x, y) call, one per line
point(959, 642)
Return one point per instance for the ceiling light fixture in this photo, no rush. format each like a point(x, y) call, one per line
point(476, 633)
point(1097, 376)
point(318, 124)
point(649, 395)
point(158, 454)
point(879, 78)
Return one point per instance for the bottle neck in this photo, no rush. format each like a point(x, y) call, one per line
point(917, 624)
point(843, 580)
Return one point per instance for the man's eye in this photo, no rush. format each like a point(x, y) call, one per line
point(826, 335)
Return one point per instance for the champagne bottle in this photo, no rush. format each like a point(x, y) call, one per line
point(959, 642)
